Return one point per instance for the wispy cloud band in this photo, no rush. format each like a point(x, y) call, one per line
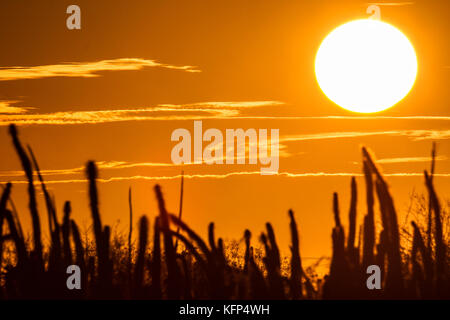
point(84, 69)
point(100, 164)
point(392, 4)
point(194, 111)
point(414, 134)
point(410, 159)
point(231, 174)
point(7, 108)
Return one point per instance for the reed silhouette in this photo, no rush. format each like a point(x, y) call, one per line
point(185, 266)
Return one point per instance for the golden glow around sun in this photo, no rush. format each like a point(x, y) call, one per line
point(366, 66)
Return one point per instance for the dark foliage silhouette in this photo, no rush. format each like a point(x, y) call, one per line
point(185, 266)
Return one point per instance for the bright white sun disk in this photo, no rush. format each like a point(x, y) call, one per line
point(366, 66)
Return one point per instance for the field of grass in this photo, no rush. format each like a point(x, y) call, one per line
point(171, 261)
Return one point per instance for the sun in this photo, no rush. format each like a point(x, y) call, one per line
point(366, 66)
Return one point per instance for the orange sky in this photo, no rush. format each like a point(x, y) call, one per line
point(116, 89)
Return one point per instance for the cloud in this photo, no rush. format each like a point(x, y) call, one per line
point(231, 174)
point(410, 159)
point(195, 111)
point(391, 4)
point(222, 110)
point(446, 118)
point(6, 108)
point(443, 118)
point(103, 165)
point(226, 104)
point(84, 69)
point(414, 134)
point(117, 165)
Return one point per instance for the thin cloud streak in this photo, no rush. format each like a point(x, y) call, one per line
point(141, 114)
point(382, 117)
point(416, 135)
point(195, 111)
point(391, 4)
point(443, 118)
point(84, 69)
point(410, 159)
point(6, 108)
point(103, 165)
point(225, 104)
point(106, 165)
point(231, 174)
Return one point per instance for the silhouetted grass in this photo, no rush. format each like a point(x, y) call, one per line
point(205, 269)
